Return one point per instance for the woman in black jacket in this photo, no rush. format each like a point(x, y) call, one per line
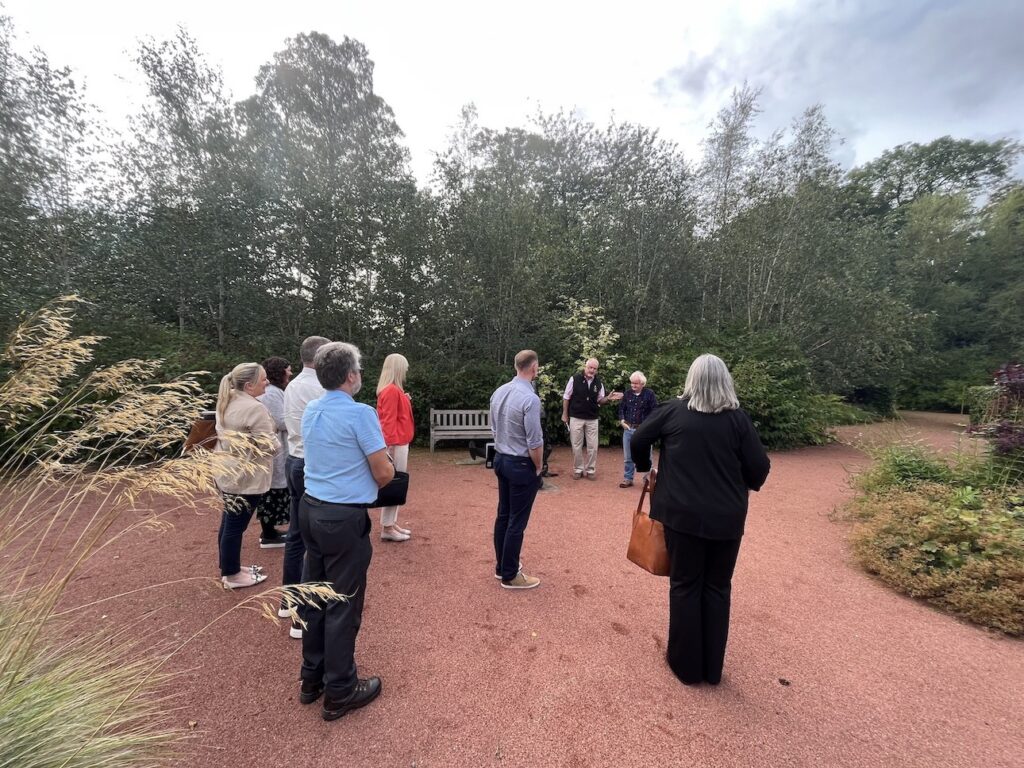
point(711, 458)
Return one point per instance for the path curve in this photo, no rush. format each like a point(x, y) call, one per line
point(826, 666)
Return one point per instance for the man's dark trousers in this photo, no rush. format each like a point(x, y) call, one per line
point(338, 550)
point(518, 484)
point(294, 549)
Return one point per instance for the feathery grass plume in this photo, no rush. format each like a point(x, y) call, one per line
point(81, 456)
point(42, 353)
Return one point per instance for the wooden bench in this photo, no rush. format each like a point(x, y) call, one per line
point(459, 425)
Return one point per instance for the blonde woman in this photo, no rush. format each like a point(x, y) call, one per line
point(394, 409)
point(246, 478)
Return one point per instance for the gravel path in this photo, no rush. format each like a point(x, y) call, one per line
point(826, 666)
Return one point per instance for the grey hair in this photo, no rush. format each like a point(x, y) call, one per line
point(709, 386)
point(639, 375)
point(334, 361)
point(307, 352)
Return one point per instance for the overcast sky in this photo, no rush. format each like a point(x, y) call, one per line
point(887, 72)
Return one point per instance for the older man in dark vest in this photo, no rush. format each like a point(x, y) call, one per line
point(584, 394)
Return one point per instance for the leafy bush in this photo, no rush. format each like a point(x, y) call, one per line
point(943, 381)
point(958, 547)
point(979, 400)
point(785, 410)
point(773, 382)
point(1002, 421)
point(838, 412)
point(876, 399)
point(904, 466)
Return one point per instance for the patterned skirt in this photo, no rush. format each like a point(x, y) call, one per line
point(275, 507)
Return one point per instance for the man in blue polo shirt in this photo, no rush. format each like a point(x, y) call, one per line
point(518, 463)
point(346, 463)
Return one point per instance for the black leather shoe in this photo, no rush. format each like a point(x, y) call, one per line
point(310, 692)
point(366, 690)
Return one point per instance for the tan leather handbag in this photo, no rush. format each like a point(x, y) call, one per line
point(203, 433)
point(647, 542)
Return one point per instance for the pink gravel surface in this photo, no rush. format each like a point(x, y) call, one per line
point(826, 666)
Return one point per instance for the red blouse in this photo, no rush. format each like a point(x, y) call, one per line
point(394, 409)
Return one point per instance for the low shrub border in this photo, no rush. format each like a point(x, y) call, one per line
point(925, 530)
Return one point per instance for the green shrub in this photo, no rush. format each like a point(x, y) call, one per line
point(904, 466)
point(958, 547)
point(773, 382)
point(779, 399)
point(838, 412)
point(978, 401)
point(874, 398)
point(942, 381)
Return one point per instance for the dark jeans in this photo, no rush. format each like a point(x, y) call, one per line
point(338, 550)
point(294, 549)
point(518, 484)
point(700, 585)
point(233, 522)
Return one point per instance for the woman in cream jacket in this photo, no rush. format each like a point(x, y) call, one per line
point(245, 431)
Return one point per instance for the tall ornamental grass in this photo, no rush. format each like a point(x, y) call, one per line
point(80, 454)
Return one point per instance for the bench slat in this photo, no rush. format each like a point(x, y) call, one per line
point(458, 424)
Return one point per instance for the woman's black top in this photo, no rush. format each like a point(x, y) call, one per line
point(708, 462)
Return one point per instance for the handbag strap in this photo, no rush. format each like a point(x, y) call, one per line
point(649, 483)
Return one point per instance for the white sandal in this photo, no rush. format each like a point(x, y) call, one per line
point(254, 575)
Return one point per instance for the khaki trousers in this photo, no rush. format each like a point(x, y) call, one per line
point(578, 430)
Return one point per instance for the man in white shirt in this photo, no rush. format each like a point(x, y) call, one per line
point(300, 391)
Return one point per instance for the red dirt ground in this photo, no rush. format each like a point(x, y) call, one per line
point(826, 666)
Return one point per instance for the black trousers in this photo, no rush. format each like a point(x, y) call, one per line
point(700, 587)
point(294, 549)
point(338, 550)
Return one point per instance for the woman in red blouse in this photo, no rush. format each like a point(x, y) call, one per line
point(394, 409)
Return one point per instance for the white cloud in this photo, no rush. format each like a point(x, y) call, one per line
point(887, 73)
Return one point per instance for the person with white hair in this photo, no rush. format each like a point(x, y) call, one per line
point(584, 395)
point(634, 407)
point(711, 458)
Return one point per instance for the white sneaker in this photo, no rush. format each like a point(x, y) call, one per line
point(394, 536)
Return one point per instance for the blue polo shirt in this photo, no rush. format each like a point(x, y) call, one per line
point(337, 435)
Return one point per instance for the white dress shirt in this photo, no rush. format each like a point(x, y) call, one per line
point(300, 391)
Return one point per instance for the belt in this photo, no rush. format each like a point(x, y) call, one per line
point(315, 500)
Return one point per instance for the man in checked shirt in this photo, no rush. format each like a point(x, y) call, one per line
point(635, 406)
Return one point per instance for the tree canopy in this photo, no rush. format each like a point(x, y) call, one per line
point(218, 229)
